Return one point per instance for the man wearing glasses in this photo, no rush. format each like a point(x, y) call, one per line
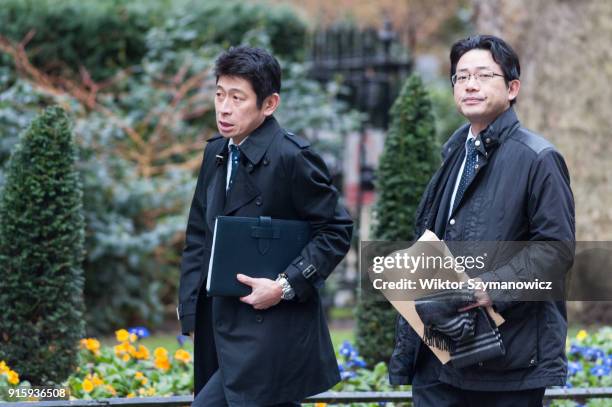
point(498, 182)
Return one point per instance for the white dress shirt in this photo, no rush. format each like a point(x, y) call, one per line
point(452, 202)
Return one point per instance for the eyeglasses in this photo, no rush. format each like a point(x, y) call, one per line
point(464, 77)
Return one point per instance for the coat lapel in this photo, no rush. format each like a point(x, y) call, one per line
point(215, 193)
point(241, 193)
point(488, 141)
point(253, 149)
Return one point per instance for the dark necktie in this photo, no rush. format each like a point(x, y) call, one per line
point(235, 159)
point(469, 170)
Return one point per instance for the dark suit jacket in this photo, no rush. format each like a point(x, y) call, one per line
point(285, 352)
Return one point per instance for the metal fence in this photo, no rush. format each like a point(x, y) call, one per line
point(372, 64)
point(580, 395)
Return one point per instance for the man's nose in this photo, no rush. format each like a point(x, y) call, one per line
point(472, 83)
point(224, 107)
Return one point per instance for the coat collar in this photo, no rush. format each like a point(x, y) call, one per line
point(456, 139)
point(491, 137)
point(255, 146)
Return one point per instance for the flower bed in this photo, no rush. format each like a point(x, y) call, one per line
point(356, 377)
point(590, 359)
point(130, 369)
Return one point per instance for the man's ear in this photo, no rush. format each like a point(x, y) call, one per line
point(513, 89)
point(270, 104)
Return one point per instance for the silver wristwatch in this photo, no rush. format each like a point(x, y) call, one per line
point(288, 293)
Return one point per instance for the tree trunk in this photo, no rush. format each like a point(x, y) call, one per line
point(565, 49)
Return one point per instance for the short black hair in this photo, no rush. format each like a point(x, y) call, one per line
point(502, 53)
point(256, 65)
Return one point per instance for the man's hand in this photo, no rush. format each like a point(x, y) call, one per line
point(266, 293)
point(481, 297)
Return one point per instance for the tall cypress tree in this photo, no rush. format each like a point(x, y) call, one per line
point(41, 251)
point(409, 159)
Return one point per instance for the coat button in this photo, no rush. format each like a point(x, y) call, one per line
point(476, 166)
point(477, 143)
point(532, 362)
point(259, 318)
point(258, 201)
point(266, 161)
point(250, 167)
point(452, 221)
point(488, 140)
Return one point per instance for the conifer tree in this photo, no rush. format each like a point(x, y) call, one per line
point(41, 251)
point(410, 157)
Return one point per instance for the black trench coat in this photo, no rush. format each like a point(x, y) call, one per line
point(285, 352)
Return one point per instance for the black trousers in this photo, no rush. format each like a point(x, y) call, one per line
point(212, 394)
point(444, 395)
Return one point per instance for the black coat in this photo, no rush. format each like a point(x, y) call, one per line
point(521, 192)
point(285, 352)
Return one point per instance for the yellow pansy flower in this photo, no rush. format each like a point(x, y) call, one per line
point(12, 377)
point(160, 352)
point(141, 377)
point(122, 335)
point(182, 355)
point(111, 389)
point(142, 352)
point(162, 363)
point(131, 349)
point(320, 404)
point(126, 358)
point(123, 348)
point(94, 379)
point(3, 367)
point(133, 337)
point(87, 386)
point(91, 344)
point(582, 335)
point(130, 395)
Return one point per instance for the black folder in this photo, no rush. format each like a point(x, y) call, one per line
point(257, 247)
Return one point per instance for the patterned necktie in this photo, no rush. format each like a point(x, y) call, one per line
point(235, 159)
point(469, 169)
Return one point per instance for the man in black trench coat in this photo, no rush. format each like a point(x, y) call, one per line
point(271, 347)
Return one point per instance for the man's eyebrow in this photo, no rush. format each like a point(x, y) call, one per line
point(478, 67)
point(237, 90)
point(219, 87)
